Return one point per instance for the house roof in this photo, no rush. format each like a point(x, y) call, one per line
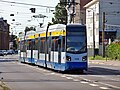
point(90, 3)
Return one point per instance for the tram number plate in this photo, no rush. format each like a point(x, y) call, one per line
point(76, 58)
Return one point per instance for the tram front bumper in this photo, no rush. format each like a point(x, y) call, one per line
point(76, 66)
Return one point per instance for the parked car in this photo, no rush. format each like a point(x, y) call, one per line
point(5, 52)
point(10, 52)
point(1, 53)
point(16, 51)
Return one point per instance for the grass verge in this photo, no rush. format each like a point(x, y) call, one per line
point(98, 58)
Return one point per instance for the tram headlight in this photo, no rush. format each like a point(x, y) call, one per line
point(84, 58)
point(68, 58)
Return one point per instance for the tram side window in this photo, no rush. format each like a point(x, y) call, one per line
point(48, 44)
point(36, 44)
point(23, 47)
point(52, 47)
point(42, 45)
point(33, 45)
point(54, 44)
point(63, 44)
point(30, 45)
point(18, 45)
point(27, 45)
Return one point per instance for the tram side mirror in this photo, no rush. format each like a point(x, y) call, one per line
point(59, 41)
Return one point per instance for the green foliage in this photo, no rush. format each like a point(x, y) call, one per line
point(113, 51)
point(29, 29)
point(14, 38)
point(60, 14)
point(97, 58)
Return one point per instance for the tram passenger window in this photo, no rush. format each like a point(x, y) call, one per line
point(23, 47)
point(54, 44)
point(36, 45)
point(27, 45)
point(33, 45)
point(30, 45)
point(52, 47)
point(42, 45)
point(49, 44)
point(63, 44)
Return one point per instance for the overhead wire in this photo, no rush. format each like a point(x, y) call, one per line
point(26, 4)
point(20, 4)
point(111, 2)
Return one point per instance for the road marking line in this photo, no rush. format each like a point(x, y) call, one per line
point(52, 73)
point(110, 85)
point(94, 85)
point(104, 88)
point(44, 70)
point(69, 78)
point(63, 76)
point(83, 82)
point(76, 80)
point(101, 83)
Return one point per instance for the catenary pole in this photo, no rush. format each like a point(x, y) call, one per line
point(103, 34)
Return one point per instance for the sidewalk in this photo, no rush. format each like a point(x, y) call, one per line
point(106, 62)
point(3, 86)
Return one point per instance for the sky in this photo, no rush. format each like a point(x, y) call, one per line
point(22, 14)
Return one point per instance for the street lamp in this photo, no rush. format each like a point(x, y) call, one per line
point(93, 34)
point(103, 28)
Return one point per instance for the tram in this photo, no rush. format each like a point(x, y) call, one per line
point(61, 47)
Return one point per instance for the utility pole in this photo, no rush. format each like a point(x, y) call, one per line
point(103, 34)
point(93, 34)
point(73, 2)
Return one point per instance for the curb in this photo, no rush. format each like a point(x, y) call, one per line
point(104, 63)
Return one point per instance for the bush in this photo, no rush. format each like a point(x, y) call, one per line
point(113, 51)
point(97, 58)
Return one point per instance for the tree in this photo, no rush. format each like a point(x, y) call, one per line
point(14, 40)
point(29, 29)
point(60, 14)
point(32, 10)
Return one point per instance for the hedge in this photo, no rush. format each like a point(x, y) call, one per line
point(113, 51)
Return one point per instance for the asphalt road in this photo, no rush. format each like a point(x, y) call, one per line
point(19, 76)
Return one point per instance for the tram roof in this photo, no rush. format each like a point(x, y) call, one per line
point(54, 27)
point(75, 25)
point(57, 26)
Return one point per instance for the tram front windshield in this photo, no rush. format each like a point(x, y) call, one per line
point(76, 40)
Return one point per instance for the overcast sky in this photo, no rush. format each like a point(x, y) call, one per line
point(22, 14)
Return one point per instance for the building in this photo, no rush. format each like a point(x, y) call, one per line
point(76, 10)
point(95, 11)
point(4, 34)
point(80, 16)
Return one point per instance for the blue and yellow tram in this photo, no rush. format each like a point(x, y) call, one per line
point(62, 47)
